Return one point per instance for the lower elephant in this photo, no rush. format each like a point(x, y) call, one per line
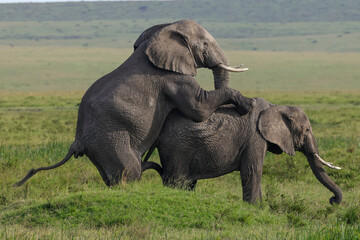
point(228, 142)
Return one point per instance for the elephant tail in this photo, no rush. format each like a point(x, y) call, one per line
point(152, 165)
point(151, 150)
point(76, 149)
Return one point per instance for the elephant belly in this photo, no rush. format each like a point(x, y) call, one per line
point(194, 159)
point(213, 165)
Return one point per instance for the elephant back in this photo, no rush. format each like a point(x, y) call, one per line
point(179, 126)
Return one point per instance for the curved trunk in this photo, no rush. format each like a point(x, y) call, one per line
point(221, 77)
point(319, 172)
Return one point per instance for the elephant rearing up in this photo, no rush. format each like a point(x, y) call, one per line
point(121, 114)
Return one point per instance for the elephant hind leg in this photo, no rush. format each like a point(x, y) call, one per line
point(102, 172)
point(123, 167)
point(116, 162)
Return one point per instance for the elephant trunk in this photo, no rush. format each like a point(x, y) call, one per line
point(319, 172)
point(220, 67)
point(221, 77)
point(310, 149)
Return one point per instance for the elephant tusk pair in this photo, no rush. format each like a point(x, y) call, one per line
point(233, 69)
point(326, 163)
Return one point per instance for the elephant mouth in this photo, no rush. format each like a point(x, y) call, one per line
point(232, 69)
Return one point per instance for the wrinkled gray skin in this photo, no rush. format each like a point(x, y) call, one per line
point(122, 114)
point(228, 142)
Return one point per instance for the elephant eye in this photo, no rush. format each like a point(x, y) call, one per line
point(307, 130)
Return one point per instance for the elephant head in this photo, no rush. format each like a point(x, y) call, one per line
point(287, 129)
point(183, 47)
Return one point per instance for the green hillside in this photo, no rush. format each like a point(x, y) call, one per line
point(329, 26)
point(221, 11)
point(302, 53)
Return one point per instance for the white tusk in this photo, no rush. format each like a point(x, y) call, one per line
point(233, 69)
point(326, 163)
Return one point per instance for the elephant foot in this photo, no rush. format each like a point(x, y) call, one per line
point(245, 105)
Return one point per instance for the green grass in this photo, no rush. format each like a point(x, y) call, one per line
point(230, 11)
point(37, 118)
point(252, 25)
point(44, 71)
point(55, 68)
point(292, 36)
point(73, 202)
point(310, 43)
point(36, 69)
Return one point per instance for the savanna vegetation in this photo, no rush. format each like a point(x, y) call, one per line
point(272, 25)
point(306, 55)
point(72, 201)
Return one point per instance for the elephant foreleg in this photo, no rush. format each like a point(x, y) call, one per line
point(198, 104)
point(251, 173)
point(251, 185)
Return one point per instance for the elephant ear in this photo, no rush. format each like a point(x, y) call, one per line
point(275, 126)
point(169, 49)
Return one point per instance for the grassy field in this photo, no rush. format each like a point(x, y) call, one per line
point(54, 68)
point(40, 92)
point(230, 11)
point(51, 53)
point(73, 202)
point(293, 36)
point(264, 25)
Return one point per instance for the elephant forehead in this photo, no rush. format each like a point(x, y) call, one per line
point(205, 35)
point(195, 30)
point(302, 118)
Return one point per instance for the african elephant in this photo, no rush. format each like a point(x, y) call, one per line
point(122, 114)
point(228, 142)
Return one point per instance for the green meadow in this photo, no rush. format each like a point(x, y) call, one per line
point(58, 68)
point(38, 111)
point(47, 63)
